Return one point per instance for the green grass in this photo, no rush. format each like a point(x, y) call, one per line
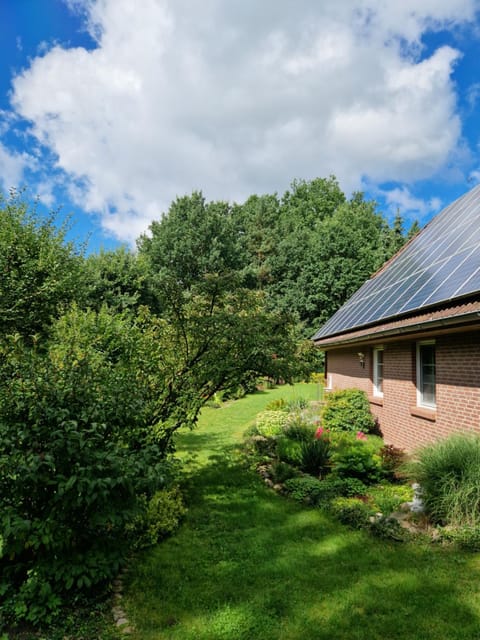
point(249, 564)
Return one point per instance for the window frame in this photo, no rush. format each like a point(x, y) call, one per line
point(421, 402)
point(377, 392)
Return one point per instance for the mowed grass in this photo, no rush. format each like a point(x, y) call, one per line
point(250, 564)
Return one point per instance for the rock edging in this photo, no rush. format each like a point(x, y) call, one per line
point(119, 615)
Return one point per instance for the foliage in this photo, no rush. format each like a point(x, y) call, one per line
point(116, 278)
point(347, 410)
point(160, 517)
point(465, 536)
point(305, 489)
point(40, 271)
point(357, 461)
point(352, 511)
point(297, 404)
point(289, 450)
point(192, 242)
point(315, 456)
point(393, 458)
point(449, 475)
point(388, 498)
point(300, 429)
point(347, 487)
point(277, 405)
point(76, 449)
point(322, 492)
point(282, 471)
point(308, 250)
point(388, 528)
point(271, 423)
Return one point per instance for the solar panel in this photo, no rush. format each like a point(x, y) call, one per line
point(442, 263)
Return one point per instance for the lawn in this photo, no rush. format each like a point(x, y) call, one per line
point(250, 564)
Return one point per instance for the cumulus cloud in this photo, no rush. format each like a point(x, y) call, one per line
point(13, 166)
point(240, 97)
point(411, 206)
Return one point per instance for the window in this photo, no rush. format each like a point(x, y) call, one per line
point(426, 375)
point(378, 372)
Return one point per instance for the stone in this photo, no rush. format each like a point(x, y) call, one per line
point(121, 621)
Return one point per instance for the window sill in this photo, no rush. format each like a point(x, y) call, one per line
point(424, 412)
point(376, 400)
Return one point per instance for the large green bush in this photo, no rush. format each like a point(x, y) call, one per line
point(449, 475)
point(347, 410)
point(76, 451)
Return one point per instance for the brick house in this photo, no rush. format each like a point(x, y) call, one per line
point(410, 336)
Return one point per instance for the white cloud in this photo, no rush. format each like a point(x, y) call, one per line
point(240, 97)
point(409, 205)
point(12, 167)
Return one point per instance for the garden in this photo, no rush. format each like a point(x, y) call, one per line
point(247, 562)
point(331, 455)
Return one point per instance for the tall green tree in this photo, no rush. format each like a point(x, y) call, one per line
point(40, 271)
point(193, 240)
point(115, 278)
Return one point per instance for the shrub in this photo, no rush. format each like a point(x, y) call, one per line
point(305, 489)
point(282, 471)
point(388, 528)
point(352, 511)
point(315, 456)
point(289, 450)
point(466, 537)
point(271, 423)
point(277, 405)
point(392, 459)
point(347, 410)
point(297, 404)
point(449, 475)
point(75, 455)
point(161, 517)
point(357, 461)
point(388, 498)
point(300, 430)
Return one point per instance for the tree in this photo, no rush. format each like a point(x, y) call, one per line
point(193, 240)
point(414, 229)
point(115, 278)
point(40, 271)
point(87, 421)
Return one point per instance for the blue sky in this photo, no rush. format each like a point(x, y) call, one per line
point(109, 109)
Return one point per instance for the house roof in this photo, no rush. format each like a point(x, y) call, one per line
point(458, 315)
point(436, 271)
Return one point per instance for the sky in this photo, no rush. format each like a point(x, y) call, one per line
point(110, 109)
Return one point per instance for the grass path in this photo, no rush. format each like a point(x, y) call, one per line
point(248, 564)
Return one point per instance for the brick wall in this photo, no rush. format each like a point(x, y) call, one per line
point(457, 388)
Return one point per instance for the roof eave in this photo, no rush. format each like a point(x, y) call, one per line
point(378, 333)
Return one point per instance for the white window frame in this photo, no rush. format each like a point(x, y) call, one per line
point(421, 402)
point(377, 392)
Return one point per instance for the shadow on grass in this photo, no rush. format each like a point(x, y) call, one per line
point(250, 564)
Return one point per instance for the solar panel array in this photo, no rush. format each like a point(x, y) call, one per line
point(441, 263)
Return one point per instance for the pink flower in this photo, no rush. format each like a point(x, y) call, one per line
point(361, 435)
point(318, 433)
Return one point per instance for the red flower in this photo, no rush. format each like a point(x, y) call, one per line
point(319, 432)
point(361, 435)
